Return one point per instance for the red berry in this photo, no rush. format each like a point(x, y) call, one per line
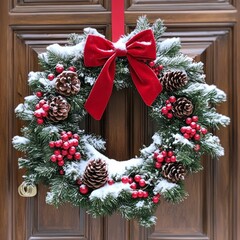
point(76, 136)
point(133, 185)
point(173, 158)
point(204, 131)
point(164, 110)
point(194, 118)
point(44, 114)
point(183, 129)
point(130, 180)
point(40, 121)
point(42, 102)
point(172, 99)
point(53, 158)
point(57, 152)
point(69, 157)
point(170, 153)
point(134, 194)
point(124, 179)
point(65, 145)
point(59, 157)
point(160, 67)
point(79, 181)
point(63, 132)
point(64, 152)
point(69, 134)
point(164, 153)
point(59, 68)
point(37, 107)
point(74, 142)
point(142, 183)
point(140, 193)
point(61, 172)
point(137, 178)
point(51, 77)
point(64, 137)
point(152, 64)
point(193, 132)
point(72, 150)
point(158, 165)
point(60, 163)
point(168, 160)
point(198, 127)
point(83, 189)
point(169, 115)
point(45, 107)
point(157, 195)
point(197, 147)
point(77, 155)
point(58, 143)
point(188, 130)
point(188, 121)
point(160, 158)
point(186, 135)
point(39, 94)
point(110, 181)
point(145, 194)
point(169, 106)
point(193, 125)
point(155, 199)
point(155, 155)
point(168, 102)
point(197, 137)
point(72, 68)
point(38, 114)
point(52, 144)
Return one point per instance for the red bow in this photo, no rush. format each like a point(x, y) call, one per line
point(101, 52)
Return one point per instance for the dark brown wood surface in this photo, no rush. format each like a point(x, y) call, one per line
point(210, 32)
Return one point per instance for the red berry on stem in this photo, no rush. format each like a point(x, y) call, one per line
point(57, 152)
point(63, 132)
point(74, 142)
point(155, 154)
point(197, 137)
point(173, 158)
point(164, 153)
point(65, 145)
point(183, 129)
point(142, 183)
point(124, 179)
point(140, 193)
point(152, 64)
point(72, 68)
point(169, 115)
point(37, 107)
point(61, 172)
point(44, 114)
point(53, 158)
point(198, 127)
point(197, 147)
point(52, 144)
point(204, 131)
point(137, 178)
point(186, 135)
point(42, 102)
point(69, 157)
point(72, 150)
point(130, 180)
point(59, 68)
point(110, 181)
point(59, 157)
point(170, 153)
point(77, 155)
point(134, 194)
point(194, 118)
point(169, 106)
point(188, 121)
point(155, 199)
point(193, 125)
point(60, 163)
point(40, 121)
point(172, 99)
point(79, 181)
point(76, 136)
point(164, 110)
point(58, 143)
point(160, 158)
point(145, 194)
point(51, 77)
point(188, 130)
point(39, 94)
point(133, 185)
point(45, 107)
point(160, 67)
point(83, 189)
point(69, 134)
point(168, 160)
point(64, 152)
point(158, 165)
point(193, 132)
point(37, 114)
point(64, 137)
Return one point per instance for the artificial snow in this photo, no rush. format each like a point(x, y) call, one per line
point(33, 76)
point(167, 44)
point(140, 204)
point(46, 82)
point(89, 80)
point(31, 98)
point(50, 129)
point(92, 31)
point(113, 190)
point(181, 139)
point(17, 140)
point(75, 51)
point(152, 147)
point(163, 185)
point(213, 142)
point(75, 170)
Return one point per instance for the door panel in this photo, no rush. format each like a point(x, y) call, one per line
point(209, 31)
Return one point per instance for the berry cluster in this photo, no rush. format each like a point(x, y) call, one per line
point(83, 189)
point(167, 109)
point(65, 148)
point(59, 69)
point(156, 68)
point(162, 157)
point(41, 111)
point(193, 131)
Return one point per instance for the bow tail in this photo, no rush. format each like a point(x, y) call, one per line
point(145, 80)
point(99, 96)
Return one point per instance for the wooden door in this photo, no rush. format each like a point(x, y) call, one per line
point(210, 32)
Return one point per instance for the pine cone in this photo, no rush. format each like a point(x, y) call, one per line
point(174, 172)
point(67, 83)
point(58, 108)
point(172, 81)
point(182, 108)
point(95, 174)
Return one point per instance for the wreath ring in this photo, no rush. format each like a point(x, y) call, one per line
point(58, 153)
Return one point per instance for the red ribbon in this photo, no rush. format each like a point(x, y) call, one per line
point(101, 52)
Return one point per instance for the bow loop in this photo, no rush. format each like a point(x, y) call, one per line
point(101, 52)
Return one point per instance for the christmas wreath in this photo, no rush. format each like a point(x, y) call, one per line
point(78, 78)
